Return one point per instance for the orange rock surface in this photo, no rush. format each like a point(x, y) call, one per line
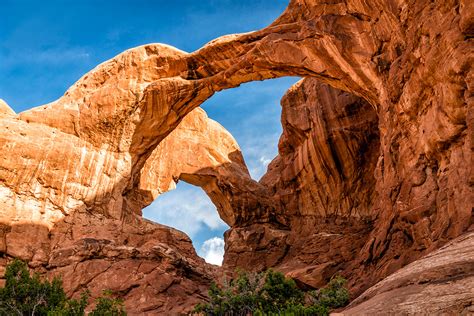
point(374, 168)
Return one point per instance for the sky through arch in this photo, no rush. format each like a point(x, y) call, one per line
point(251, 113)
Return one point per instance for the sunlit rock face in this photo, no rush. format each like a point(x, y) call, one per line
point(374, 167)
point(324, 184)
point(5, 109)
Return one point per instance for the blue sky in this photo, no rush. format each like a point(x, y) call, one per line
point(45, 46)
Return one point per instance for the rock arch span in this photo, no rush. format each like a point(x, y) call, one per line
point(74, 166)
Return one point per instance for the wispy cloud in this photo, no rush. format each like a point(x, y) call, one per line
point(213, 250)
point(259, 152)
point(47, 57)
point(188, 209)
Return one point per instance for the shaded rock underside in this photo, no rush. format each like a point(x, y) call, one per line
point(374, 168)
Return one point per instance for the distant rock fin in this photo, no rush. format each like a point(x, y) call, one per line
point(5, 109)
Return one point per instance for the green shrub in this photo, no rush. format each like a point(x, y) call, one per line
point(278, 292)
point(108, 306)
point(72, 307)
point(236, 298)
point(334, 295)
point(270, 293)
point(25, 294)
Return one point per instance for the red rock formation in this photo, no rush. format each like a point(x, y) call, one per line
point(439, 283)
point(417, 199)
point(153, 267)
point(367, 180)
point(324, 183)
point(329, 146)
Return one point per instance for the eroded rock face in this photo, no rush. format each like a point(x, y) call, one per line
point(439, 283)
point(329, 147)
point(153, 267)
point(367, 180)
point(323, 182)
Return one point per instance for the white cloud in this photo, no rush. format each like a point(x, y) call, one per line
point(265, 161)
point(56, 56)
point(259, 152)
point(187, 208)
point(213, 250)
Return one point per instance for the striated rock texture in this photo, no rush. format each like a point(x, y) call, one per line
point(441, 283)
point(153, 267)
point(374, 168)
point(324, 183)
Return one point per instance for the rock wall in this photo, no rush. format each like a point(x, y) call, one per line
point(327, 153)
point(323, 183)
point(439, 283)
point(374, 167)
point(153, 267)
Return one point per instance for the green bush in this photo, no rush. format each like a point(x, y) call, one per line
point(24, 294)
point(334, 295)
point(270, 293)
point(108, 306)
point(28, 295)
point(71, 307)
point(238, 297)
point(279, 292)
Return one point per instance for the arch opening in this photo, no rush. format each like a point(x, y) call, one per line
point(191, 196)
point(188, 209)
point(225, 162)
point(251, 113)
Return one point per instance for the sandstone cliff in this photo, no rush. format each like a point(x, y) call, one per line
point(374, 168)
point(437, 284)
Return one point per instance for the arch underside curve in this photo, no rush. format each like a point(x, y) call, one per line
point(378, 153)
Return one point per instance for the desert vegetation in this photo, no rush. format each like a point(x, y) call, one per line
point(271, 293)
point(26, 294)
point(265, 293)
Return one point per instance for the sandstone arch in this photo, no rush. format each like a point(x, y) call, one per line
point(81, 157)
point(201, 152)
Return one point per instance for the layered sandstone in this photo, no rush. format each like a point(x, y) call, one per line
point(323, 183)
point(441, 283)
point(374, 168)
point(153, 267)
